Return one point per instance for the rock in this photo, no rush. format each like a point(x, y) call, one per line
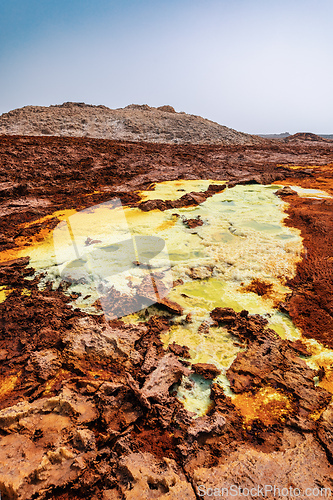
point(325, 429)
point(46, 363)
point(165, 412)
point(69, 402)
point(22, 261)
point(192, 223)
point(223, 315)
point(170, 306)
point(9, 189)
point(3, 354)
point(19, 459)
point(141, 397)
point(260, 287)
point(187, 200)
point(192, 198)
point(66, 403)
point(270, 361)
point(206, 370)
point(122, 410)
point(168, 371)
point(79, 463)
point(299, 347)
point(28, 466)
point(215, 188)
point(302, 466)
point(111, 494)
point(200, 272)
point(204, 327)
point(147, 206)
point(109, 388)
point(285, 191)
point(207, 425)
point(305, 136)
point(84, 439)
point(59, 455)
point(178, 350)
point(147, 290)
point(102, 341)
point(151, 359)
point(149, 477)
point(166, 109)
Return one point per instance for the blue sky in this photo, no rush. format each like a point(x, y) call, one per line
point(255, 66)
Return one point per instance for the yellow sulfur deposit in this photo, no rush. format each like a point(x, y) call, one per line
point(7, 384)
point(242, 238)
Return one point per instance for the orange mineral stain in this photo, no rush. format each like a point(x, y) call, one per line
point(7, 384)
point(327, 381)
point(167, 224)
point(56, 380)
point(42, 238)
point(268, 405)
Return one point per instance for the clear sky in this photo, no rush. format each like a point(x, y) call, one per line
point(260, 66)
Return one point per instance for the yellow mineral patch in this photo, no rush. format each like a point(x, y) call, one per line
point(41, 243)
point(299, 167)
point(320, 355)
point(327, 380)
point(310, 193)
point(173, 190)
point(303, 167)
point(52, 382)
point(243, 238)
point(94, 192)
point(317, 414)
point(7, 384)
point(167, 224)
point(216, 347)
point(59, 214)
point(99, 375)
point(267, 405)
point(321, 359)
point(194, 393)
point(4, 292)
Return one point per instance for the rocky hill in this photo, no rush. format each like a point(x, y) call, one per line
point(132, 123)
point(306, 136)
point(283, 135)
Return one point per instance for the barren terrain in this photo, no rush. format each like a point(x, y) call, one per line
point(88, 405)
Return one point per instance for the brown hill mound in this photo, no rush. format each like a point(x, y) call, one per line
point(132, 123)
point(306, 136)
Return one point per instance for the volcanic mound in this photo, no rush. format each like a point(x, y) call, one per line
point(132, 123)
point(306, 136)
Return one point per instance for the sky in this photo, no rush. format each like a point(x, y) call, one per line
point(256, 66)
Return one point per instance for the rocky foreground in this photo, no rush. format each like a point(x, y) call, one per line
point(132, 123)
point(86, 406)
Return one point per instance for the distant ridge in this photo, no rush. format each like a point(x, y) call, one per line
point(326, 136)
point(306, 136)
point(275, 136)
point(286, 135)
point(132, 123)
